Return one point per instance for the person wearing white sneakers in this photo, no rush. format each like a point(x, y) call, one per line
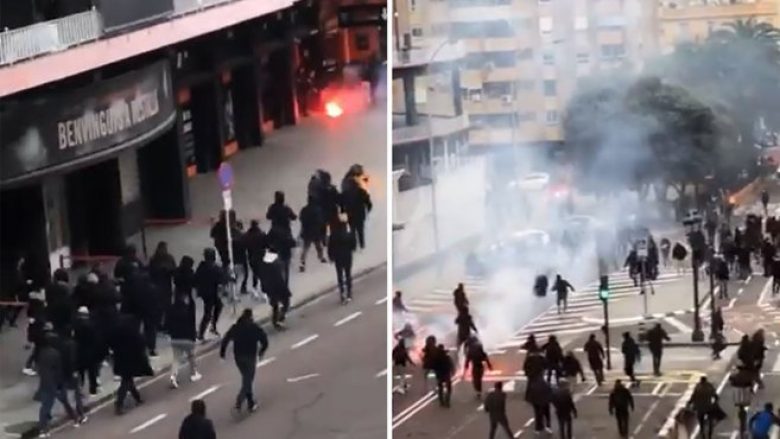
point(180, 321)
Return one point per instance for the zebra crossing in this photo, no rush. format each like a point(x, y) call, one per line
point(580, 304)
point(440, 300)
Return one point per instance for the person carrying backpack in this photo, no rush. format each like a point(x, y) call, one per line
point(761, 423)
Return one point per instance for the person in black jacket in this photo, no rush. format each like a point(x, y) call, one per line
point(184, 278)
point(465, 324)
point(256, 242)
point(631, 356)
point(162, 267)
point(88, 349)
point(130, 359)
point(357, 205)
point(595, 353)
point(208, 278)
point(341, 245)
point(60, 309)
point(495, 407)
point(276, 289)
point(51, 384)
point(246, 335)
point(312, 231)
point(553, 354)
point(281, 242)
point(280, 214)
point(141, 299)
point(564, 409)
point(621, 404)
point(539, 394)
point(478, 358)
point(444, 369)
point(68, 351)
point(127, 264)
point(571, 368)
point(401, 360)
point(181, 328)
point(655, 341)
point(459, 298)
point(196, 425)
point(561, 288)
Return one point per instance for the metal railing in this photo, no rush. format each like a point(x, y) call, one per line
point(50, 36)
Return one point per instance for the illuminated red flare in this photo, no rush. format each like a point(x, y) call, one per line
point(333, 110)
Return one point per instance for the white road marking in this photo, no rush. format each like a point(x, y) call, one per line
point(656, 390)
point(518, 433)
point(265, 362)
point(739, 293)
point(305, 341)
point(302, 377)
point(346, 319)
point(381, 373)
point(528, 424)
point(381, 301)
point(591, 390)
point(776, 367)
point(764, 292)
point(732, 302)
point(678, 324)
point(148, 423)
point(206, 392)
point(645, 418)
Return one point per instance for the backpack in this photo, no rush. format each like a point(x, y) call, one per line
point(762, 423)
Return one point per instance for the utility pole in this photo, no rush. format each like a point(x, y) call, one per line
point(604, 296)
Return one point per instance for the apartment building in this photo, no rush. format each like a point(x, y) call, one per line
point(694, 20)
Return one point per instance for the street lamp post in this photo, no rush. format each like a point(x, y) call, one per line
point(696, 240)
point(432, 147)
point(712, 265)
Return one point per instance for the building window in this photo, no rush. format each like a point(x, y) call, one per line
point(527, 116)
point(526, 53)
point(548, 58)
point(583, 58)
point(361, 42)
point(550, 87)
point(545, 25)
point(551, 117)
point(612, 51)
point(417, 32)
point(412, 5)
point(524, 85)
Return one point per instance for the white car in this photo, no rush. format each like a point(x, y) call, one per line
point(535, 181)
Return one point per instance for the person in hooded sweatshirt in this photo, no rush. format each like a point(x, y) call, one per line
point(478, 359)
point(621, 404)
point(280, 214)
point(539, 394)
point(341, 245)
point(88, 349)
point(184, 278)
point(631, 356)
point(495, 407)
point(162, 267)
point(281, 242)
point(276, 289)
point(571, 368)
point(196, 425)
point(553, 353)
point(459, 298)
point(595, 353)
point(401, 360)
point(246, 336)
point(312, 231)
point(655, 341)
point(60, 308)
point(127, 264)
point(130, 359)
point(256, 243)
point(141, 299)
point(357, 204)
point(428, 358)
point(444, 368)
point(208, 278)
point(51, 384)
point(181, 328)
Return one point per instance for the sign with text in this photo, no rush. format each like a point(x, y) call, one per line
point(42, 133)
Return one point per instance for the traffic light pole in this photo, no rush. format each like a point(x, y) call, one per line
point(606, 333)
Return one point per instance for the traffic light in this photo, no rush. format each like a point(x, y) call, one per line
point(604, 288)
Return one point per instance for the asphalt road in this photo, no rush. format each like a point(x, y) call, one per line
point(329, 387)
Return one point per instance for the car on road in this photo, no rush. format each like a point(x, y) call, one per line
point(530, 249)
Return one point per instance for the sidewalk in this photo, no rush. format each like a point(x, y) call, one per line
point(285, 162)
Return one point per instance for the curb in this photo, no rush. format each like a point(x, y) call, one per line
point(206, 348)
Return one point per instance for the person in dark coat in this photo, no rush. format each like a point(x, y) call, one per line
point(280, 214)
point(208, 279)
point(401, 360)
point(68, 351)
point(240, 257)
point(256, 242)
point(341, 245)
point(312, 231)
point(465, 324)
point(595, 353)
point(459, 299)
point(553, 354)
point(655, 341)
point(141, 299)
point(561, 288)
point(428, 357)
point(571, 367)
point(88, 349)
point(478, 359)
point(181, 328)
point(539, 394)
point(130, 359)
point(246, 336)
point(444, 368)
point(534, 365)
point(565, 409)
point(51, 383)
point(184, 278)
point(679, 253)
point(357, 204)
point(768, 252)
point(281, 242)
point(631, 356)
point(60, 309)
point(196, 425)
point(621, 404)
point(530, 345)
point(162, 267)
point(277, 291)
point(127, 264)
point(495, 407)
point(704, 400)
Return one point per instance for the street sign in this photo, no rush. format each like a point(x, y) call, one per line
point(225, 176)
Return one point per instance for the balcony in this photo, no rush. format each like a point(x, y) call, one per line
point(494, 44)
point(441, 127)
point(715, 12)
point(45, 52)
point(502, 106)
point(482, 13)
